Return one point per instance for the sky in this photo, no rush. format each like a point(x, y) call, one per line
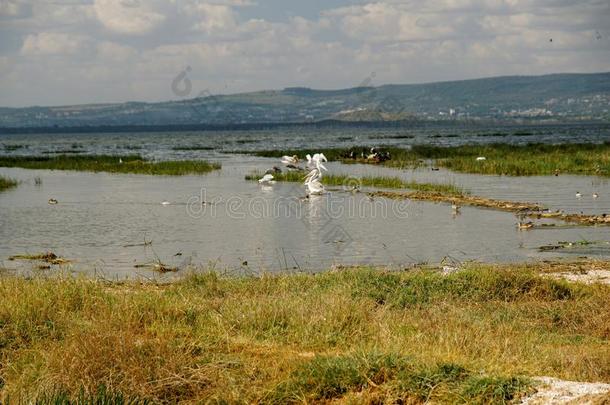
point(62, 52)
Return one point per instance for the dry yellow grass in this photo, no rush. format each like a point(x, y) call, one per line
point(356, 335)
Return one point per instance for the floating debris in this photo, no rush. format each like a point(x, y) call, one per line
point(157, 266)
point(48, 257)
point(583, 219)
point(145, 243)
point(460, 200)
point(570, 245)
point(524, 208)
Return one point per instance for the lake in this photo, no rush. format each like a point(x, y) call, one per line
point(222, 221)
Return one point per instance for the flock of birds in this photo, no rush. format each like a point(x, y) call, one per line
point(313, 178)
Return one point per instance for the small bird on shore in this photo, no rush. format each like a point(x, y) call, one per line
point(525, 225)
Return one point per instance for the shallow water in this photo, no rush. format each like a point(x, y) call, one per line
point(248, 228)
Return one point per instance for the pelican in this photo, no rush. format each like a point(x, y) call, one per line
point(314, 187)
point(290, 160)
point(267, 179)
point(578, 195)
point(312, 180)
point(318, 158)
point(481, 158)
point(313, 175)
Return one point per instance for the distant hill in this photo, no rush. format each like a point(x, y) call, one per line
point(556, 97)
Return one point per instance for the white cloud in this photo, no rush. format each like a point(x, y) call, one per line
point(112, 50)
point(15, 8)
point(130, 16)
point(214, 17)
point(51, 43)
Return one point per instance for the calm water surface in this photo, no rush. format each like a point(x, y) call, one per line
point(248, 228)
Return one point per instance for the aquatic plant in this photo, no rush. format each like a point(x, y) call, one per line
point(110, 163)
point(365, 181)
point(501, 158)
point(353, 334)
point(6, 183)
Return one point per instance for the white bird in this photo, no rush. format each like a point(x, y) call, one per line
point(578, 195)
point(595, 195)
point(312, 180)
point(165, 203)
point(315, 187)
point(290, 160)
point(120, 160)
point(267, 179)
point(481, 158)
point(318, 158)
point(314, 175)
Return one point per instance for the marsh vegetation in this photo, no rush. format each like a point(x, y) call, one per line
point(359, 334)
point(110, 163)
point(6, 183)
point(501, 158)
point(350, 182)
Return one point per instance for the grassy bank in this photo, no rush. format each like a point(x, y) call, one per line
point(505, 159)
point(111, 164)
point(6, 183)
point(360, 335)
point(366, 181)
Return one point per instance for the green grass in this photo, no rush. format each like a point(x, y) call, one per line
point(525, 160)
point(366, 181)
point(6, 183)
point(504, 159)
point(359, 335)
point(111, 164)
point(331, 377)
